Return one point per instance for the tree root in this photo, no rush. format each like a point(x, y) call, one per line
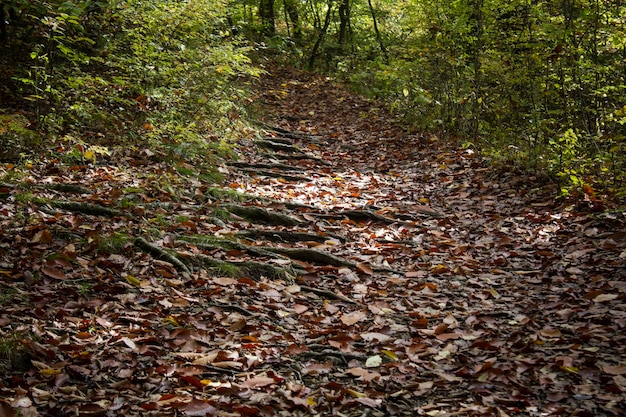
point(270, 144)
point(63, 188)
point(327, 352)
point(212, 243)
point(260, 215)
point(274, 174)
point(282, 236)
point(282, 167)
point(161, 253)
point(85, 208)
point(302, 156)
point(328, 294)
point(251, 269)
point(313, 255)
point(287, 133)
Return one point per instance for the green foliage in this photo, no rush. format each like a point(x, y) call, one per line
point(539, 85)
point(16, 138)
point(163, 75)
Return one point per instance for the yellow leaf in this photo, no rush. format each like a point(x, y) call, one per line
point(89, 155)
point(49, 371)
point(356, 394)
point(494, 293)
point(133, 281)
point(172, 320)
point(570, 369)
point(311, 401)
point(389, 354)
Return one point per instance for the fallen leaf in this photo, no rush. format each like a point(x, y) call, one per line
point(53, 273)
point(373, 361)
point(365, 268)
point(605, 297)
point(551, 333)
point(354, 317)
point(199, 408)
point(614, 369)
point(258, 382)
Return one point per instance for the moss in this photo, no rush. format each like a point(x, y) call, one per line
point(115, 243)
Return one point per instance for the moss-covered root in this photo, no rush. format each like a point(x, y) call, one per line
point(161, 253)
point(85, 208)
point(251, 269)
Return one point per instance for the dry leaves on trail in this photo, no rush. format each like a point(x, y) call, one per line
point(451, 291)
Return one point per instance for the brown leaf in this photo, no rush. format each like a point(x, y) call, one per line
point(614, 369)
point(258, 382)
point(317, 368)
point(53, 273)
point(354, 317)
point(604, 297)
point(199, 408)
point(551, 333)
point(365, 268)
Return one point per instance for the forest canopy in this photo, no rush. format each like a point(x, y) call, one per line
point(538, 87)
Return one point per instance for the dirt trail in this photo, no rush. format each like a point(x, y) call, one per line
point(358, 270)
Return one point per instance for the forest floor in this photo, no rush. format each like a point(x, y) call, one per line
point(347, 268)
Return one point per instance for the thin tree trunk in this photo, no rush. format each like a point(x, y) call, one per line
point(322, 35)
point(344, 22)
point(379, 38)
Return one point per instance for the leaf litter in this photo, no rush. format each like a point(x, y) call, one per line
point(481, 295)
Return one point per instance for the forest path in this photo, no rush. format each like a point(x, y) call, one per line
point(347, 268)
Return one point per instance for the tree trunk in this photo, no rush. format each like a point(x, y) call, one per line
point(344, 23)
point(292, 11)
point(266, 13)
point(379, 38)
point(322, 35)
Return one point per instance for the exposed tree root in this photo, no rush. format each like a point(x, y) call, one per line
point(282, 167)
point(85, 208)
point(212, 243)
point(260, 215)
point(328, 294)
point(360, 215)
point(63, 188)
point(275, 174)
point(287, 133)
point(313, 255)
point(161, 253)
point(283, 140)
point(282, 236)
point(251, 269)
point(302, 156)
point(366, 215)
point(232, 307)
point(326, 353)
point(269, 144)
